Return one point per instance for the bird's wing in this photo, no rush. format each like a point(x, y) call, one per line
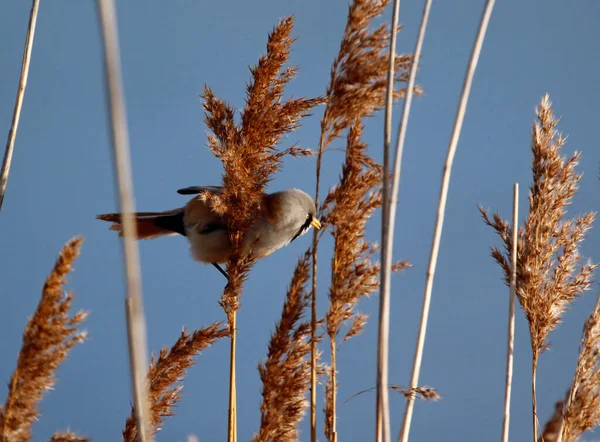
point(197, 215)
point(194, 190)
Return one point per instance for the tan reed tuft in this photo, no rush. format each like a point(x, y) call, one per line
point(356, 90)
point(67, 437)
point(167, 370)
point(346, 210)
point(248, 151)
point(549, 276)
point(286, 372)
point(580, 410)
point(48, 337)
point(582, 405)
point(357, 81)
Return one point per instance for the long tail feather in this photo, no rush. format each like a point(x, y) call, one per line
point(150, 225)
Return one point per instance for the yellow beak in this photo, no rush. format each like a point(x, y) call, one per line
point(315, 223)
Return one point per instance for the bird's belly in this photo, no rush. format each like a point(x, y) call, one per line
point(209, 247)
point(262, 246)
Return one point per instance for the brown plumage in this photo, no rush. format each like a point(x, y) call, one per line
point(281, 218)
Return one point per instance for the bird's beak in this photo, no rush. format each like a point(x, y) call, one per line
point(315, 223)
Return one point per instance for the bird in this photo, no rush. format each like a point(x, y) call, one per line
point(282, 217)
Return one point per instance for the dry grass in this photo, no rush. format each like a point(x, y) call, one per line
point(285, 374)
point(549, 273)
point(48, 337)
point(357, 81)
point(168, 370)
point(356, 90)
point(12, 134)
point(346, 210)
point(67, 437)
point(248, 151)
point(580, 410)
point(424, 392)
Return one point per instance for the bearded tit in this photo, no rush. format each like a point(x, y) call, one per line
point(282, 217)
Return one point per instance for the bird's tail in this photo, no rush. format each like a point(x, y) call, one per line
point(150, 225)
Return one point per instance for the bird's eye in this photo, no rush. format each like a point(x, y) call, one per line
point(308, 216)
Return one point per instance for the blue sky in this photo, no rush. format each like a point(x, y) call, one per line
point(62, 177)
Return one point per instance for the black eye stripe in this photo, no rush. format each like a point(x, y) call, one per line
point(304, 227)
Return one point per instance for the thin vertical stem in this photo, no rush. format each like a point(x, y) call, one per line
point(136, 322)
point(511, 315)
point(232, 421)
point(382, 423)
point(313, 306)
point(534, 360)
point(313, 344)
point(460, 114)
point(12, 133)
point(333, 389)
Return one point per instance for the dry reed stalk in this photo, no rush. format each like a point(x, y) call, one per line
point(382, 412)
point(439, 223)
point(67, 437)
point(356, 90)
point(248, 151)
point(286, 372)
point(12, 133)
point(510, 348)
point(425, 393)
point(346, 209)
point(580, 410)
point(48, 337)
point(389, 201)
point(134, 308)
point(167, 370)
point(548, 279)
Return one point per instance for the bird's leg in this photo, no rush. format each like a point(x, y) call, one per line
point(220, 269)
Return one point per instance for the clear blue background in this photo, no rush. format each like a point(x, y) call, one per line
point(62, 177)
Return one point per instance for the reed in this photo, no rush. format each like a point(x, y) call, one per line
point(356, 90)
point(48, 338)
point(549, 274)
point(346, 210)
point(14, 126)
point(248, 151)
point(166, 373)
point(285, 374)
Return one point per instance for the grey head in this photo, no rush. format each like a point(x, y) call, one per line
point(285, 216)
point(298, 212)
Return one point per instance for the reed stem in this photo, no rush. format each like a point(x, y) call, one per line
point(232, 421)
point(382, 423)
point(12, 133)
point(134, 310)
point(511, 316)
point(437, 236)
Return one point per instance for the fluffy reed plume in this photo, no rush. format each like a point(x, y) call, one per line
point(346, 209)
point(48, 337)
point(358, 73)
point(356, 90)
point(286, 372)
point(248, 150)
point(549, 276)
point(67, 437)
point(580, 410)
point(169, 368)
